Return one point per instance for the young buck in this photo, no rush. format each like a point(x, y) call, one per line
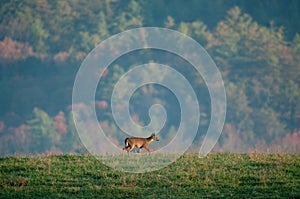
point(131, 143)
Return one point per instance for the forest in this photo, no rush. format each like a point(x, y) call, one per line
point(255, 44)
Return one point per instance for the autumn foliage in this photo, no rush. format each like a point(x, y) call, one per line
point(11, 50)
point(43, 43)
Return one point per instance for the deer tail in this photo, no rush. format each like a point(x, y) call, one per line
point(126, 142)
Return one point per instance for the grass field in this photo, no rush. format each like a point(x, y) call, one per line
point(217, 175)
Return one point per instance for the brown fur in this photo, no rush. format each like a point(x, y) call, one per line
point(131, 143)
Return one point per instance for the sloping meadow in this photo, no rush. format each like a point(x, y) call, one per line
point(217, 175)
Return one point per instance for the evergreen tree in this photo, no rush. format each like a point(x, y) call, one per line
point(42, 132)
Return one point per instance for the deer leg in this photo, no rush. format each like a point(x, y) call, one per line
point(129, 149)
point(146, 147)
point(124, 148)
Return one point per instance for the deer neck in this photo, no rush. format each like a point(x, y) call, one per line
point(149, 139)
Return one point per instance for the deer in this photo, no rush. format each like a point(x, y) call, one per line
point(132, 142)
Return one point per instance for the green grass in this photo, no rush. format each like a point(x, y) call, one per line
point(217, 175)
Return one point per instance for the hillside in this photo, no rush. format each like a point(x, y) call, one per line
point(256, 47)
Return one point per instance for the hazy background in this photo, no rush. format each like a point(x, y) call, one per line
point(255, 44)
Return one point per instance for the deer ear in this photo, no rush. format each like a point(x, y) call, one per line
point(153, 134)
